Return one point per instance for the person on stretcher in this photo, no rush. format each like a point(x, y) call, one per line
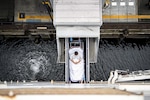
point(76, 64)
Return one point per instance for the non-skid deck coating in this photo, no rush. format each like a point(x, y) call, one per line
point(60, 88)
point(64, 91)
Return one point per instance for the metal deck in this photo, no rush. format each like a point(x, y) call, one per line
point(103, 90)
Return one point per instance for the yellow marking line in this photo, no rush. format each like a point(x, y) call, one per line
point(34, 17)
point(126, 16)
point(104, 17)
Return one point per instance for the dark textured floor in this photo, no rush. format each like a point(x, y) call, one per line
point(22, 59)
point(143, 7)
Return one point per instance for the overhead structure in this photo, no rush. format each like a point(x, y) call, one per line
point(77, 20)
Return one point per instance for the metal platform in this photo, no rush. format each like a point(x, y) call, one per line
point(108, 30)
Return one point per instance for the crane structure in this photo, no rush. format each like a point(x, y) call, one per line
point(77, 20)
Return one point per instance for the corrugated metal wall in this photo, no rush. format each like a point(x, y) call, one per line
point(32, 10)
point(120, 11)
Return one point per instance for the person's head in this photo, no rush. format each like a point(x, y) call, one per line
point(75, 53)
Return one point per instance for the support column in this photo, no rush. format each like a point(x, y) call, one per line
point(66, 60)
point(87, 64)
